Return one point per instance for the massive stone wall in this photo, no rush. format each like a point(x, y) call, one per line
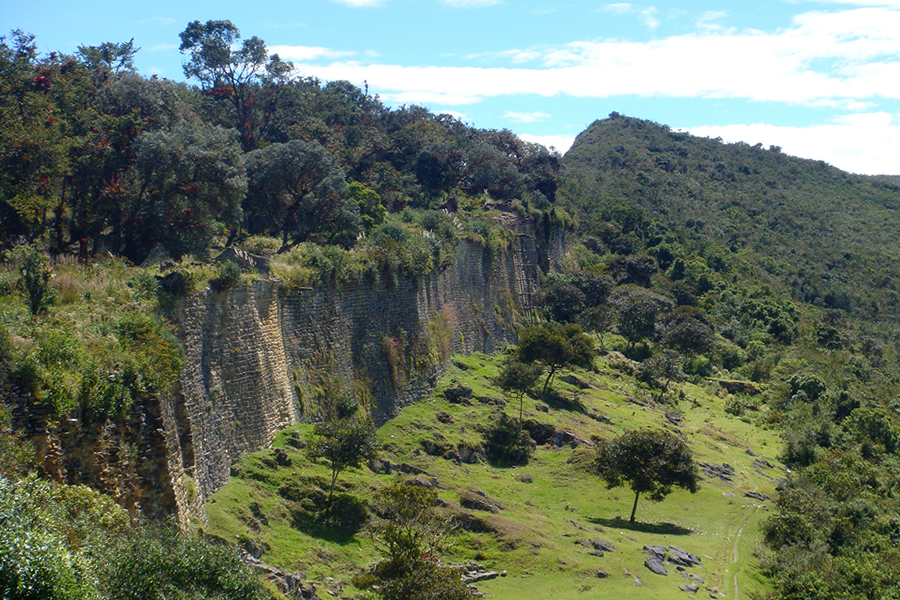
point(260, 358)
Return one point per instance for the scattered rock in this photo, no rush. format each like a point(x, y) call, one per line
point(680, 556)
point(289, 584)
point(458, 394)
point(478, 500)
point(281, 457)
point(757, 496)
point(524, 477)
point(655, 564)
point(724, 472)
point(657, 550)
point(243, 259)
point(433, 448)
point(691, 587)
point(466, 454)
point(696, 577)
point(543, 408)
point(602, 574)
point(603, 546)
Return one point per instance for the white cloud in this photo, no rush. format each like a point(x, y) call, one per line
point(162, 48)
point(520, 117)
point(561, 143)
point(470, 3)
point(619, 8)
point(846, 57)
point(649, 16)
point(359, 3)
point(867, 144)
point(305, 53)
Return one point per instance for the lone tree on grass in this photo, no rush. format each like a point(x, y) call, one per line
point(344, 443)
point(517, 379)
point(555, 346)
point(651, 462)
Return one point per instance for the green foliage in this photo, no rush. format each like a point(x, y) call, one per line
point(69, 542)
point(661, 370)
point(344, 443)
point(227, 277)
point(651, 462)
point(506, 442)
point(34, 276)
point(555, 346)
point(409, 534)
point(517, 378)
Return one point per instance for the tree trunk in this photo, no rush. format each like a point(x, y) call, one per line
point(634, 508)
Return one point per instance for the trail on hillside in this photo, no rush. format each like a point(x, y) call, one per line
point(734, 550)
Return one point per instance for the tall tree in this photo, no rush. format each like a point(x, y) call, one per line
point(247, 77)
point(555, 346)
point(344, 443)
point(298, 190)
point(187, 180)
point(651, 462)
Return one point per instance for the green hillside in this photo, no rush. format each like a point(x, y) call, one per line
point(824, 236)
point(545, 513)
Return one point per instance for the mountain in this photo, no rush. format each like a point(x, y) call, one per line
point(822, 235)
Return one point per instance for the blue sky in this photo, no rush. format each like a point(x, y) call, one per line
point(819, 78)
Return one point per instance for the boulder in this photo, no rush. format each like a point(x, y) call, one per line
point(655, 564)
point(458, 394)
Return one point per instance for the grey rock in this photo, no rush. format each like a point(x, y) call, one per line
point(655, 564)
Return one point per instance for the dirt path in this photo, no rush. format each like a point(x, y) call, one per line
point(734, 550)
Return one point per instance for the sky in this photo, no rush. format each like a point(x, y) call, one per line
point(819, 78)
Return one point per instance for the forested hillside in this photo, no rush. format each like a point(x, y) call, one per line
point(794, 264)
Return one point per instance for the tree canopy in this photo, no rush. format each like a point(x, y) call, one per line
point(650, 462)
point(555, 346)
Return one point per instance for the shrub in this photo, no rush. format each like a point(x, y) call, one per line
point(228, 276)
point(506, 443)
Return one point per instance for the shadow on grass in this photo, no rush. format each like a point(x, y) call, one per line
point(556, 399)
point(655, 528)
point(337, 523)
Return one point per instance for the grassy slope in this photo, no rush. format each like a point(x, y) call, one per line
point(541, 523)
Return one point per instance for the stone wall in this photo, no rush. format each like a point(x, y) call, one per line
point(260, 358)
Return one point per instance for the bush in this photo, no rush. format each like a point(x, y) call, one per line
point(228, 276)
point(506, 444)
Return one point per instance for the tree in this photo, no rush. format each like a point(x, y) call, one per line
point(638, 310)
point(662, 369)
point(34, 276)
point(188, 179)
point(247, 76)
point(518, 378)
point(688, 331)
point(651, 462)
point(562, 301)
point(555, 346)
point(298, 189)
point(344, 443)
point(410, 535)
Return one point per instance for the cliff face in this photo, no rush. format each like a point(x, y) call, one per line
point(259, 359)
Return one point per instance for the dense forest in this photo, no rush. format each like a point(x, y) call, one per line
point(694, 259)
